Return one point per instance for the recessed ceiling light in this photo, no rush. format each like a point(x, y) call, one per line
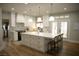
point(65, 8)
point(25, 3)
point(25, 11)
point(13, 9)
point(47, 11)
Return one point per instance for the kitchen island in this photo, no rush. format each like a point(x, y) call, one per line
point(37, 40)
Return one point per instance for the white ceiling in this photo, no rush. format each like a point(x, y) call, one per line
point(44, 8)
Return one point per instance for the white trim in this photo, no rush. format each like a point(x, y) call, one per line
point(72, 41)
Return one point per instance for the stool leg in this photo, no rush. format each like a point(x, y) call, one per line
point(54, 45)
point(49, 47)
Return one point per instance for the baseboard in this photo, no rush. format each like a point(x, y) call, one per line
point(72, 41)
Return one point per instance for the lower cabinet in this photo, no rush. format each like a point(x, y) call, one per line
point(35, 42)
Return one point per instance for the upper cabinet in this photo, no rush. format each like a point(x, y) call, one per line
point(20, 18)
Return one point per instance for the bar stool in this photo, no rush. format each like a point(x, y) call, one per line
point(56, 43)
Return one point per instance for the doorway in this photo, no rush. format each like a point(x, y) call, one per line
point(5, 26)
point(60, 27)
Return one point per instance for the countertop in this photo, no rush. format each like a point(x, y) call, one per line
point(41, 34)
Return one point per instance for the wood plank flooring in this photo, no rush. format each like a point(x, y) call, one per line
point(12, 49)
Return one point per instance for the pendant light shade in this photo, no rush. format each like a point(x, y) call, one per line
point(30, 19)
point(51, 18)
point(39, 19)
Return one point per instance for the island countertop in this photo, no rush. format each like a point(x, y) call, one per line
point(42, 34)
point(37, 40)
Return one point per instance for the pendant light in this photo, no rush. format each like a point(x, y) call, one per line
point(30, 19)
point(39, 18)
point(51, 18)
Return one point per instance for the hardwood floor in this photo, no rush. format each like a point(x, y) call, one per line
point(12, 49)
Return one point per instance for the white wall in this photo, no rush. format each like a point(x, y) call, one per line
point(74, 29)
point(6, 15)
point(1, 32)
point(0, 26)
point(13, 19)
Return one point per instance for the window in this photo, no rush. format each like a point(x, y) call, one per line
point(51, 18)
point(64, 29)
point(54, 28)
point(59, 27)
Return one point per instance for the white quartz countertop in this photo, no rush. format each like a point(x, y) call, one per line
point(42, 34)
